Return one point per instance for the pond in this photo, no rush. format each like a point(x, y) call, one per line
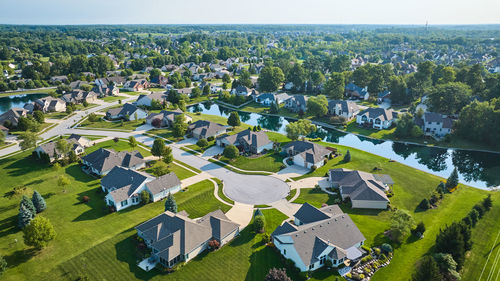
point(6, 103)
point(477, 169)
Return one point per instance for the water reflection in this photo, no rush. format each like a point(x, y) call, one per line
point(6, 103)
point(478, 169)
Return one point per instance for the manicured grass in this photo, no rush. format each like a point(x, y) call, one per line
point(199, 200)
point(117, 146)
point(291, 195)
point(220, 191)
point(28, 92)
point(188, 166)
point(200, 149)
point(104, 124)
point(178, 170)
point(270, 162)
point(113, 98)
point(411, 186)
point(373, 133)
point(245, 258)
point(225, 165)
point(314, 197)
point(277, 137)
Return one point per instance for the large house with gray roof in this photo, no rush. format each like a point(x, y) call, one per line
point(203, 129)
point(307, 154)
point(346, 109)
point(377, 118)
point(247, 141)
point(167, 117)
point(365, 190)
point(101, 161)
point(174, 237)
point(11, 117)
point(124, 186)
point(76, 143)
point(127, 111)
point(319, 235)
point(434, 124)
point(297, 103)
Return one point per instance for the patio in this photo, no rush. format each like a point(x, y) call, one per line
point(148, 263)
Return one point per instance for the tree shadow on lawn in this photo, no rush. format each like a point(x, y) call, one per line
point(126, 251)
point(20, 256)
point(262, 260)
point(96, 203)
point(8, 226)
point(365, 212)
point(76, 172)
point(25, 166)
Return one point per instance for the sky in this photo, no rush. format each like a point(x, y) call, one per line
point(250, 12)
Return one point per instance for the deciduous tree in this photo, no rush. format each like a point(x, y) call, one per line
point(39, 232)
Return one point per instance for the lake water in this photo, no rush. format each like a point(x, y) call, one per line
point(7, 103)
point(477, 169)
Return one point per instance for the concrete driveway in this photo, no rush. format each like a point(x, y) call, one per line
point(212, 151)
point(291, 172)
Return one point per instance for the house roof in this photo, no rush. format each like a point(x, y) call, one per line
point(308, 213)
point(434, 117)
point(251, 138)
point(105, 159)
point(300, 100)
point(381, 113)
point(159, 96)
point(165, 114)
point(361, 185)
point(206, 128)
point(173, 234)
point(50, 148)
point(164, 182)
point(336, 231)
point(346, 106)
point(123, 182)
point(126, 109)
point(311, 152)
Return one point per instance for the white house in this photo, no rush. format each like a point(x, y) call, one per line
point(147, 100)
point(101, 161)
point(434, 124)
point(317, 236)
point(377, 118)
point(127, 111)
point(346, 109)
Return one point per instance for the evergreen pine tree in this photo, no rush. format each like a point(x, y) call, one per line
point(487, 203)
point(25, 216)
point(452, 181)
point(38, 202)
point(170, 204)
point(347, 156)
point(28, 204)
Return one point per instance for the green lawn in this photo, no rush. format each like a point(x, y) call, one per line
point(270, 162)
point(220, 191)
point(117, 146)
point(411, 186)
point(116, 125)
point(373, 133)
point(245, 258)
point(291, 194)
point(314, 197)
point(113, 98)
point(199, 200)
point(28, 92)
point(178, 170)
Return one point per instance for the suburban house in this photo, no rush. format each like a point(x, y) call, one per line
point(346, 109)
point(116, 80)
point(76, 145)
point(174, 237)
point(4, 130)
point(59, 79)
point(356, 92)
point(77, 84)
point(136, 85)
point(241, 90)
point(79, 96)
point(377, 118)
point(49, 104)
point(83, 141)
point(147, 100)
point(184, 91)
point(268, 98)
point(434, 124)
point(12, 116)
point(247, 141)
point(317, 236)
point(203, 129)
point(384, 96)
point(127, 111)
point(307, 154)
point(106, 90)
point(160, 81)
point(124, 186)
point(365, 190)
point(167, 117)
point(101, 161)
point(297, 103)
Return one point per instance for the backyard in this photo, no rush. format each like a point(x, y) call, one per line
point(115, 125)
point(270, 162)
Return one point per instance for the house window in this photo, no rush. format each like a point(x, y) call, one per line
point(124, 203)
point(284, 252)
point(377, 121)
point(322, 260)
point(364, 118)
point(311, 266)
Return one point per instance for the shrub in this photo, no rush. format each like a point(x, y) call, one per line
point(38, 233)
point(156, 122)
point(85, 199)
point(145, 197)
point(347, 156)
point(480, 210)
point(231, 152)
point(213, 244)
point(487, 202)
point(211, 138)
point(424, 204)
point(3, 265)
point(366, 248)
point(387, 248)
point(259, 224)
point(202, 143)
point(276, 274)
point(313, 168)
point(266, 238)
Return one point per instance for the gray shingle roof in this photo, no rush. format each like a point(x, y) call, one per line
point(251, 138)
point(206, 128)
point(346, 106)
point(311, 152)
point(174, 234)
point(122, 182)
point(308, 213)
point(381, 113)
point(310, 240)
point(360, 185)
point(105, 159)
point(164, 182)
